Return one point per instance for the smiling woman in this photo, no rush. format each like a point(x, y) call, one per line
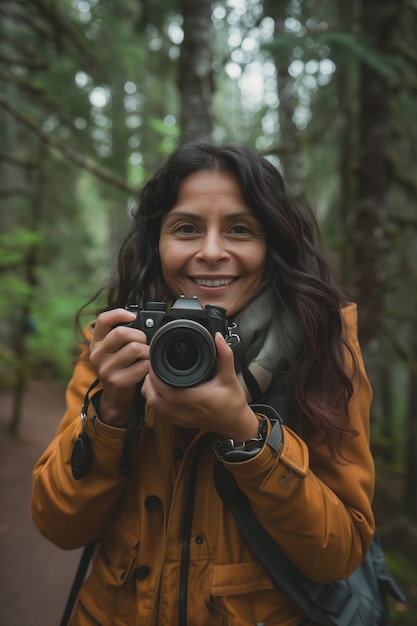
point(212, 246)
point(220, 224)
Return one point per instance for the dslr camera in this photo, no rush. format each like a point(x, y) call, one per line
point(181, 339)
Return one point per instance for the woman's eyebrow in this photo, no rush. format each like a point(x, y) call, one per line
point(229, 216)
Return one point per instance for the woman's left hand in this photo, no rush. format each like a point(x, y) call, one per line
point(219, 404)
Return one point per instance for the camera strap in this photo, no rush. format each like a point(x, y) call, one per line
point(125, 465)
point(82, 452)
point(241, 367)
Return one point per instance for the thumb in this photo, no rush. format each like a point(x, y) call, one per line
point(224, 353)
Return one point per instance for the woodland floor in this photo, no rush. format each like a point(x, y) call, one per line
point(35, 576)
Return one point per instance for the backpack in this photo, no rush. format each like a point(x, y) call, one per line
point(360, 600)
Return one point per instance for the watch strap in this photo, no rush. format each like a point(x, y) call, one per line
point(274, 440)
point(230, 451)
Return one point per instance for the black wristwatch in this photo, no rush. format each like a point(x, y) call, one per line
point(231, 451)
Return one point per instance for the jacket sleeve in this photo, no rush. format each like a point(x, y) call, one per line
point(318, 512)
point(68, 512)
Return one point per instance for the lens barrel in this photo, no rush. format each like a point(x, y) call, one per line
point(183, 353)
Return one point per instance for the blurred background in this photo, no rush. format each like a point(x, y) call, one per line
point(93, 95)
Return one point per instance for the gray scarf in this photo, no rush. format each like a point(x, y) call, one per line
point(267, 337)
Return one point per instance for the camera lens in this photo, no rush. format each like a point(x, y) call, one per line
point(183, 353)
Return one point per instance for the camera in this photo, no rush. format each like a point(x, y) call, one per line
point(181, 339)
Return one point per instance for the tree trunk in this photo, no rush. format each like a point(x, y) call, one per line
point(288, 100)
point(373, 175)
point(195, 69)
point(30, 272)
point(410, 492)
point(386, 413)
point(347, 95)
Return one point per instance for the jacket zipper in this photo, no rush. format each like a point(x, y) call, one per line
point(186, 541)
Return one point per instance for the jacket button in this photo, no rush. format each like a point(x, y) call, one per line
point(152, 503)
point(199, 540)
point(141, 572)
point(178, 454)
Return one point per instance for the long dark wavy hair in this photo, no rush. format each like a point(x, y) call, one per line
point(296, 270)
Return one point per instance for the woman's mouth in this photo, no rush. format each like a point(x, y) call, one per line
point(213, 282)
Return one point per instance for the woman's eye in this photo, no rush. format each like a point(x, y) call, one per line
point(186, 229)
point(240, 229)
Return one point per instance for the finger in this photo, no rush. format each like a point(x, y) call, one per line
point(121, 336)
point(150, 392)
point(143, 388)
point(172, 396)
point(128, 355)
point(108, 319)
point(225, 362)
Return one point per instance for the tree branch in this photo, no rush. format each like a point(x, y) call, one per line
point(26, 164)
point(35, 25)
point(7, 193)
point(31, 64)
point(48, 26)
point(13, 79)
point(73, 156)
point(19, 45)
point(58, 22)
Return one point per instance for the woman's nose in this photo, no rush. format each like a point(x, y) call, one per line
point(213, 248)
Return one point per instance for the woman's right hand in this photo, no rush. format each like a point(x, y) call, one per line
point(120, 355)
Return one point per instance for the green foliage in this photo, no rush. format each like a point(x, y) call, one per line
point(282, 46)
point(15, 247)
point(404, 570)
point(9, 365)
point(361, 49)
point(401, 567)
point(53, 342)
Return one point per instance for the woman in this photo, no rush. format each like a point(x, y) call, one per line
point(220, 224)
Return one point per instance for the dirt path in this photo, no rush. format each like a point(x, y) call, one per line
point(35, 576)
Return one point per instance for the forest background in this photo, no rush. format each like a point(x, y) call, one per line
point(95, 93)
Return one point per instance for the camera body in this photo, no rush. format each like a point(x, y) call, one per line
point(181, 339)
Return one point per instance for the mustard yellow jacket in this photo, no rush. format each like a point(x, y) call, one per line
point(320, 514)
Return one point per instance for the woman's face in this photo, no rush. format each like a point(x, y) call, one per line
point(211, 245)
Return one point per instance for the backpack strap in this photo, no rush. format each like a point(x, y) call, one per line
point(78, 581)
point(360, 600)
point(279, 567)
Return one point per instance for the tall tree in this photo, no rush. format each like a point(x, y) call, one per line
point(195, 70)
point(378, 24)
point(287, 94)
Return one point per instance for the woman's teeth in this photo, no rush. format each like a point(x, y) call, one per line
point(216, 282)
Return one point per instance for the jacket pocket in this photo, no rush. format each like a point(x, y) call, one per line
point(232, 591)
point(239, 579)
point(243, 594)
point(116, 558)
point(117, 552)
